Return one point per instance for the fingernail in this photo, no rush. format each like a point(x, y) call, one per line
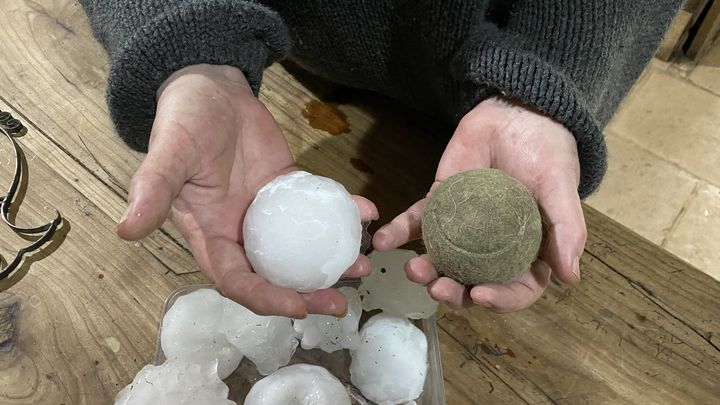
point(125, 214)
point(576, 268)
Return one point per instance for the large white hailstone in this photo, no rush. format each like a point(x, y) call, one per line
point(192, 332)
point(302, 231)
point(330, 333)
point(268, 341)
point(175, 383)
point(388, 288)
point(299, 384)
point(390, 365)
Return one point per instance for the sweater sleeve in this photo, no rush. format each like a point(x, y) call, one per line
point(572, 59)
point(147, 41)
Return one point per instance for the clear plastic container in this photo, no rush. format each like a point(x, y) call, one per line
point(337, 363)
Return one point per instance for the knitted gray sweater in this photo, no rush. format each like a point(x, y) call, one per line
point(574, 60)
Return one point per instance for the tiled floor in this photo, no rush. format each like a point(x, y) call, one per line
point(663, 179)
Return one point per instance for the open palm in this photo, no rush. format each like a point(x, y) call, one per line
point(542, 155)
point(213, 146)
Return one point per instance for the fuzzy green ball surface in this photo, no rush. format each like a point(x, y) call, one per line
point(482, 226)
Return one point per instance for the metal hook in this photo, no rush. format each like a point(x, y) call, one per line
point(8, 126)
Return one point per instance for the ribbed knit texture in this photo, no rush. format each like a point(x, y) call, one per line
point(574, 60)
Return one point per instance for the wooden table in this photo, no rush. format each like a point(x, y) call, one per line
point(642, 327)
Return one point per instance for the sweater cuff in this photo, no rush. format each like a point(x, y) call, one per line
point(219, 32)
point(521, 75)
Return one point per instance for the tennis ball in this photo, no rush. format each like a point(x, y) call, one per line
point(481, 226)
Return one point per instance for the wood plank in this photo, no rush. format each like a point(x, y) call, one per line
point(89, 303)
point(675, 36)
point(669, 283)
point(54, 76)
point(706, 33)
point(600, 342)
point(402, 170)
point(468, 380)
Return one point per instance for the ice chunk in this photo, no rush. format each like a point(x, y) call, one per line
point(330, 333)
point(269, 341)
point(388, 288)
point(175, 383)
point(299, 384)
point(192, 332)
point(302, 231)
point(390, 365)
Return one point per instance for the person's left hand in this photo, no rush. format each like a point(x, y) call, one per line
point(542, 155)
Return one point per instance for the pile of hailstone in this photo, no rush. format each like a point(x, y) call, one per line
point(205, 336)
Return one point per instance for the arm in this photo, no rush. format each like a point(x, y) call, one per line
point(149, 40)
point(566, 64)
point(573, 60)
point(182, 85)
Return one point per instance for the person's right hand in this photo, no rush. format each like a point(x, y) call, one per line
point(213, 145)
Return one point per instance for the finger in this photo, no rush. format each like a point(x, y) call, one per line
point(224, 261)
point(156, 183)
point(326, 302)
point(566, 231)
point(449, 292)
point(368, 210)
point(517, 295)
point(360, 268)
point(401, 230)
point(420, 270)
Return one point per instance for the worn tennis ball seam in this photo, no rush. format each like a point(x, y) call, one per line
point(502, 191)
point(491, 254)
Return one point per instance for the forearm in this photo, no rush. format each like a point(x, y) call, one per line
point(573, 60)
point(147, 41)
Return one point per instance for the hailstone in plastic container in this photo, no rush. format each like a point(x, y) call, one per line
point(390, 365)
point(268, 341)
point(175, 383)
point(330, 333)
point(302, 231)
point(388, 288)
point(192, 332)
point(299, 384)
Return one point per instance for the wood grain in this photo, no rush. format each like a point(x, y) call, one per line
point(707, 32)
point(642, 327)
point(53, 75)
point(88, 309)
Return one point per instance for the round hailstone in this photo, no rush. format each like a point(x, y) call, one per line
point(330, 333)
point(268, 341)
point(388, 288)
point(192, 332)
point(299, 384)
point(302, 231)
point(175, 383)
point(390, 365)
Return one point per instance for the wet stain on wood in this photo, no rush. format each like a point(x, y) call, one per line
point(361, 166)
point(605, 313)
point(326, 117)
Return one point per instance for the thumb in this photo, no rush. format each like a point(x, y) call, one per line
point(154, 186)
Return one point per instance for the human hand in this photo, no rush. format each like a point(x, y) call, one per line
point(542, 155)
point(213, 145)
